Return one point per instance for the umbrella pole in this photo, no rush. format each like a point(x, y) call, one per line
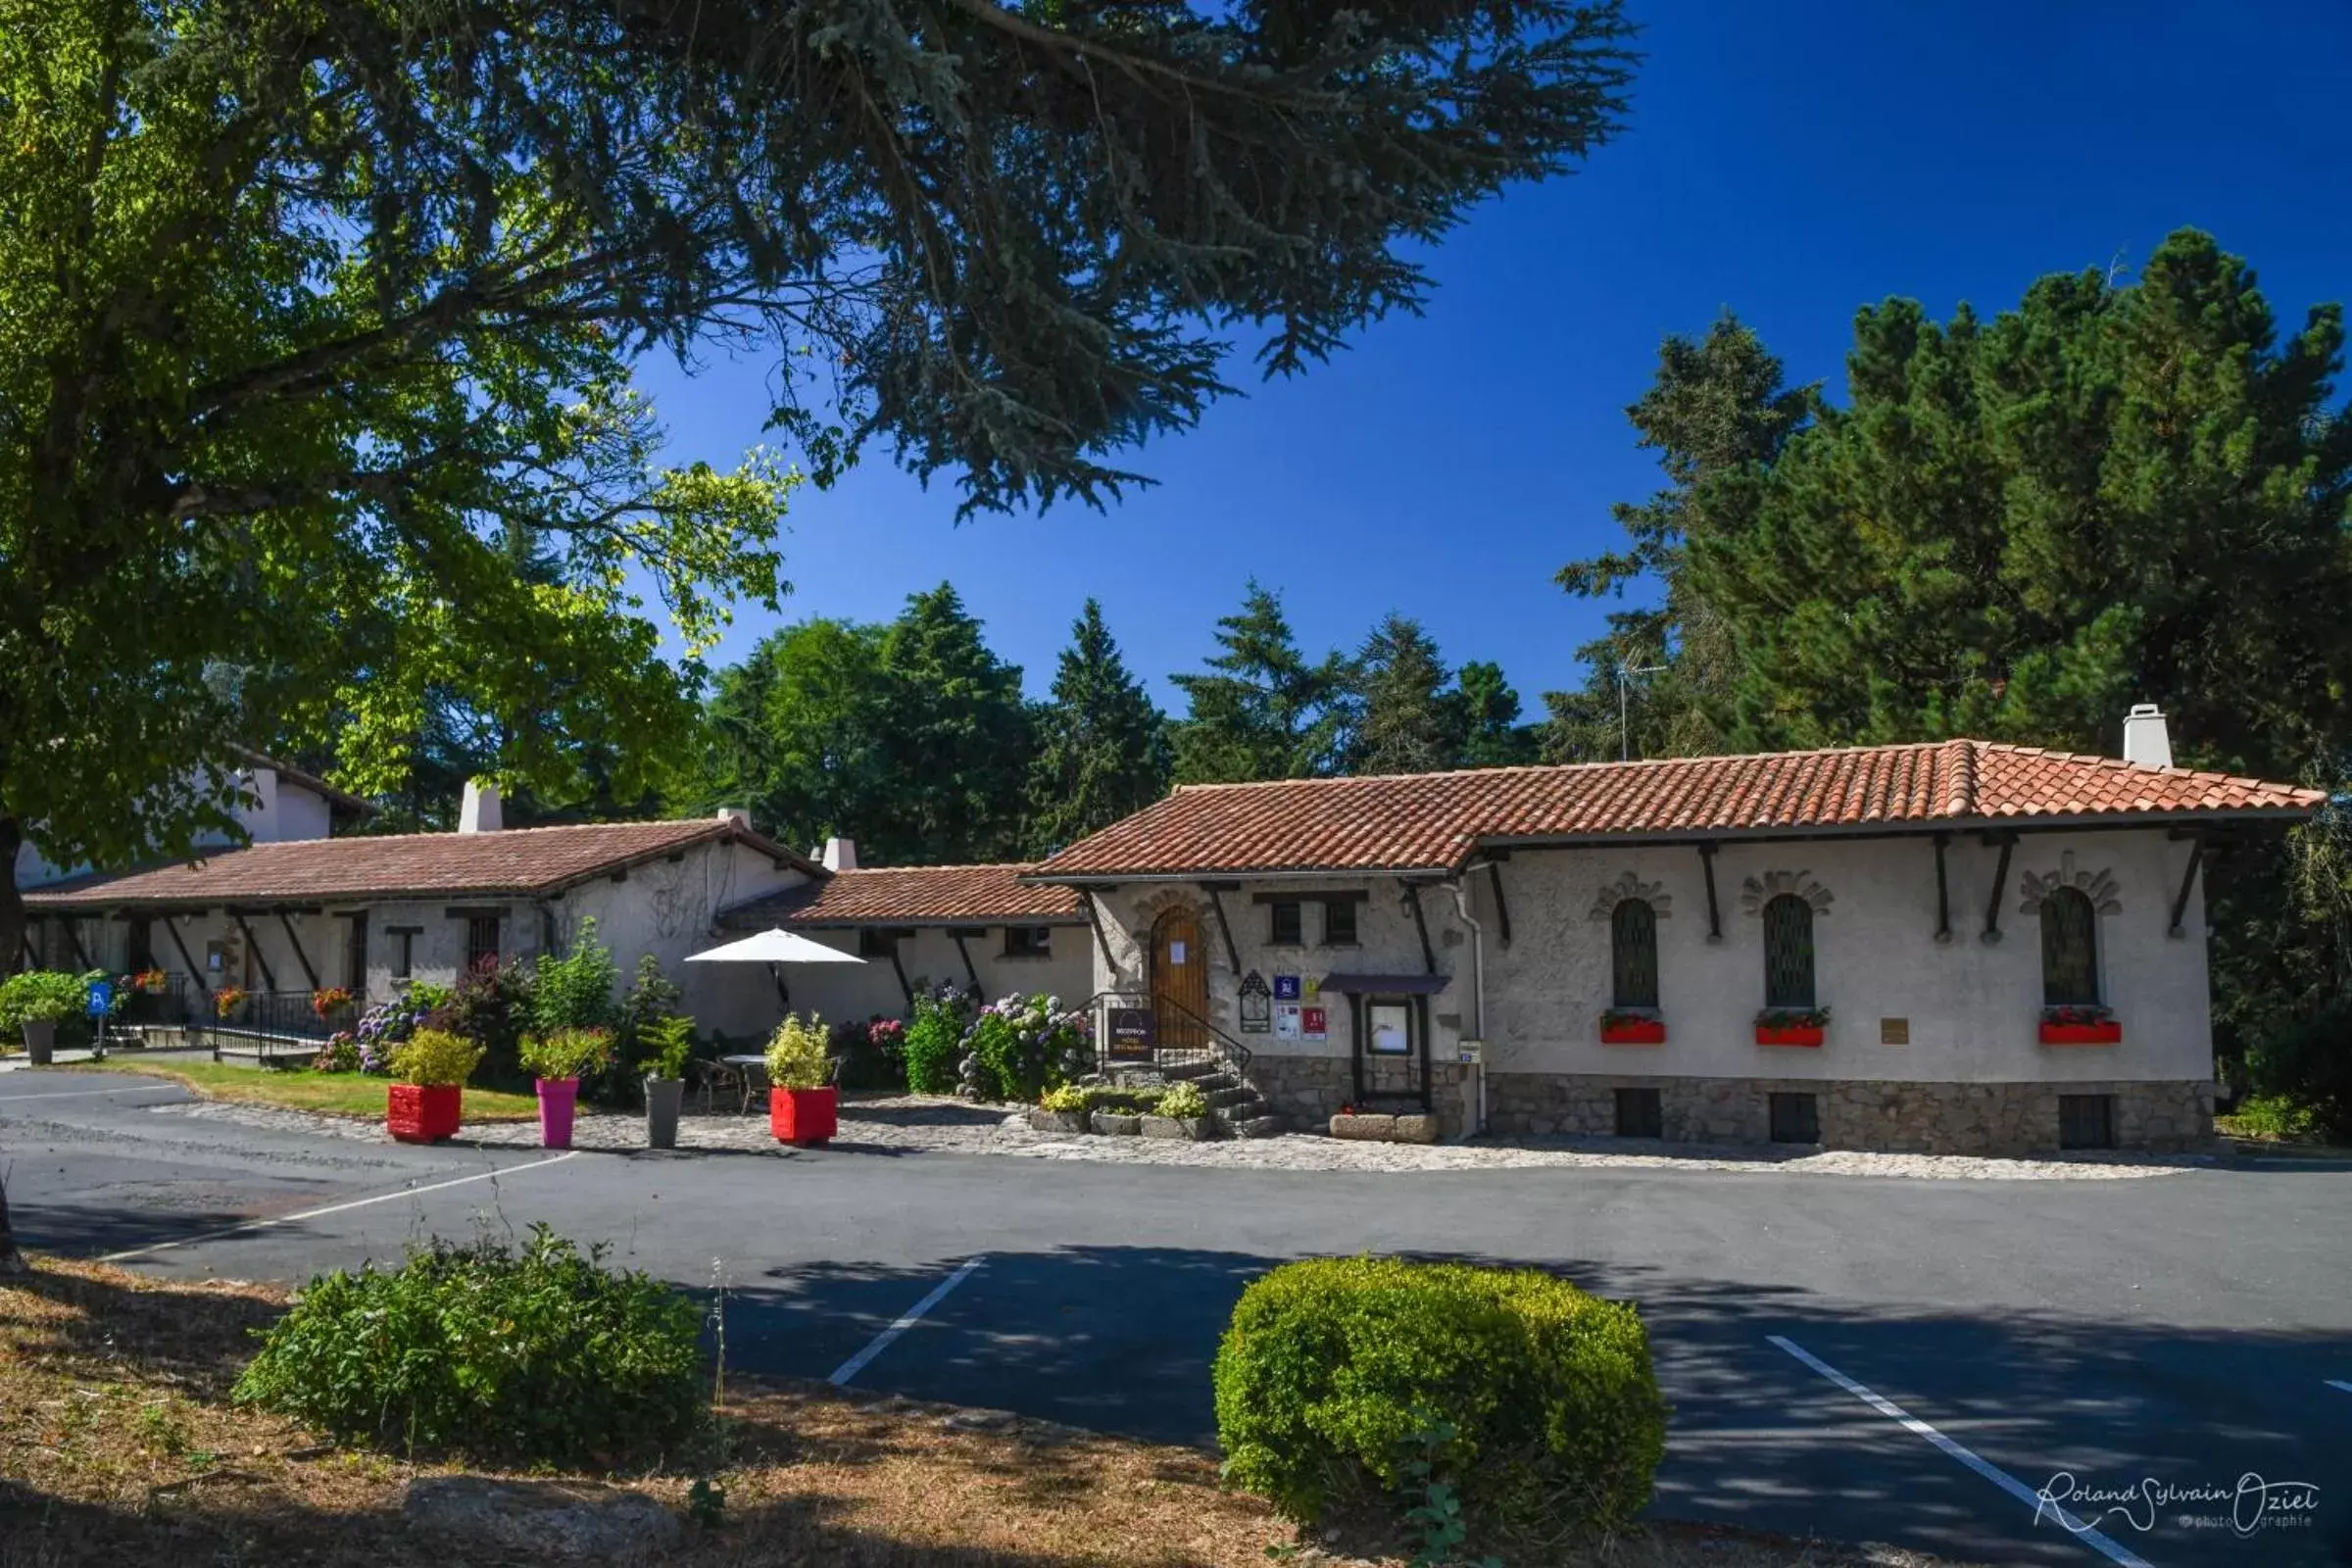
point(783, 992)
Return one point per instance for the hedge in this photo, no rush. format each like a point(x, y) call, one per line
point(1342, 1381)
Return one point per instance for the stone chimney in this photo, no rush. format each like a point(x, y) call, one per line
point(740, 815)
point(479, 811)
point(841, 855)
point(2145, 739)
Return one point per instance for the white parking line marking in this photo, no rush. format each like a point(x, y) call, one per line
point(881, 1342)
point(2113, 1550)
point(333, 1208)
point(2339, 1383)
point(83, 1094)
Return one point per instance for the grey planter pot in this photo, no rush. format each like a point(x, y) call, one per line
point(1043, 1120)
point(40, 1039)
point(662, 1096)
point(1112, 1124)
point(1194, 1128)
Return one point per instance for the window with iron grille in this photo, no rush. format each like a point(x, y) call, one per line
point(482, 938)
point(1796, 1119)
point(876, 942)
point(1640, 1114)
point(1028, 942)
point(2086, 1121)
point(2069, 949)
point(1633, 954)
point(1788, 953)
point(1339, 923)
point(1287, 927)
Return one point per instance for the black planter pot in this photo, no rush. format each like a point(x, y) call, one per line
point(40, 1039)
point(662, 1097)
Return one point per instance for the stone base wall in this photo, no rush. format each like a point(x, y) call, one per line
point(1897, 1118)
point(1308, 1091)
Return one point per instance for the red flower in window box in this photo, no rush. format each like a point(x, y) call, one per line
point(1626, 1028)
point(2080, 1026)
point(422, 1113)
point(1791, 1026)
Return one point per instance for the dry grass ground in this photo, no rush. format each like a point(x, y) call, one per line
point(335, 1094)
point(117, 1445)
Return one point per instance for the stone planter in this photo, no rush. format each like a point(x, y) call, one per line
point(662, 1097)
point(804, 1118)
point(1634, 1032)
point(559, 1098)
point(1369, 1127)
point(1194, 1128)
point(1117, 1124)
point(1043, 1120)
point(422, 1113)
point(40, 1039)
point(2110, 1032)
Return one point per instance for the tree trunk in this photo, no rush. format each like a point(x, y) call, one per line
point(12, 945)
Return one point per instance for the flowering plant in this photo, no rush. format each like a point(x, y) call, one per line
point(327, 999)
point(2077, 1012)
point(228, 999)
point(1020, 1046)
point(382, 1027)
point(886, 1034)
point(340, 1054)
point(1621, 1017)
point(1793, 1019)
point(151, 981)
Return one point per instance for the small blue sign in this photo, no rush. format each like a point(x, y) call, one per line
point(102, 997)
point(1286, 988)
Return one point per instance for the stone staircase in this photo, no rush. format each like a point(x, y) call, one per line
point(1236, 1106)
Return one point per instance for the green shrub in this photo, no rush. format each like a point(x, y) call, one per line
point(669, 1046)
point(1065, 1098)
point(2307, 1065)
point(2271, 1117)
point(575, 991)
point(1020, 1047)
point(542, 1356)
point(42, 995)
point(568, 1053)
point(1350, 1380)
point(935, 1041)
point(435, 1057)
point(1184, 1101)
point(797, 1058)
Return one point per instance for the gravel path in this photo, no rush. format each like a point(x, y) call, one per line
point(928, 1123)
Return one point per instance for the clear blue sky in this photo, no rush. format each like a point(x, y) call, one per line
point(1788, 161)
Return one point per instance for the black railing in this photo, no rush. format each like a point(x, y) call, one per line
point(175, 1004)
point(269, 1022)
point(1179, 1035)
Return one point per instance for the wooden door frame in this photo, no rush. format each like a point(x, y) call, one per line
point(1192, 914)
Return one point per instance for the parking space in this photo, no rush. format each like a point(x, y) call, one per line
point(2171, 1331)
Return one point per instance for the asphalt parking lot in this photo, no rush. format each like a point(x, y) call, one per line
point(1864, 1358)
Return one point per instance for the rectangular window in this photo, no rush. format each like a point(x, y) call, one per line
point(140, 957)
point(355, 956)
point(2086, 1121)
point(1287, 928)
point(1339, 923)
point(1640, 1114)
point(875, 943)
point(404, 949)
point(1796, 1119)
point(482, 938)
point(1028, 942)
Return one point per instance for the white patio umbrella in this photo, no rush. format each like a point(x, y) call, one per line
point(775, 946)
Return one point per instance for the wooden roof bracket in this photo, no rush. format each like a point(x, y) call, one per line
point(1094, 917)
point(1429, 955)
point(1943, 891)
point(300, 956)
point(2001, 881)
point(1502, 909)
point(2189, 883)
point(253, 945)
point(1706, 860)
point(172, 924)
point(1233, 957)
point(966, 954)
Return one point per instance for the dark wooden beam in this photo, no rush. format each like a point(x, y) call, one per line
point(1943, 891)
point(82, 955)
point(1314, 896)
point(1429, 955)
point(1502, 909)
point(32, 959)
point(1233, 957)
point(2189, 883)
point(906, 988)
point(966, 954)
point(300, 956)
point(195, 972)
point(253, 945)
point(2000, 884)
point(1706, 862)
point(1094, 917)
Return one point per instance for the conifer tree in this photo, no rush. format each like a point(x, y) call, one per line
point(1261, 711)
point(1407, 722)
point(1101, 744)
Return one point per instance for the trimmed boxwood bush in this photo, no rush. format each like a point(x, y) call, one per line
point(536, 1355)
point(1343, 1381)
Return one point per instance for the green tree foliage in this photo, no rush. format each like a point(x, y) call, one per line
point(1407, 721)
point(1487, 722)
point(794, 731)
point(1101, 745)
point(1718, 406)
point(1261, 711)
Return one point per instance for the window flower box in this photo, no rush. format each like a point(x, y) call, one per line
point(1791, 1026)
point(1631, 1029)
point(2080, 1026)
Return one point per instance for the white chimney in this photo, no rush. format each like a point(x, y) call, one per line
point(841, 855)
point(2145, 739)
point(479, 811)
point(740, 815)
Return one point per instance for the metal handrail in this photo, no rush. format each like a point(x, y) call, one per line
point(1236, 1056)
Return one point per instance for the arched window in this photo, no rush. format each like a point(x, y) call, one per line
point(2069, 949)
point(1633, 954)
point(1788, 952)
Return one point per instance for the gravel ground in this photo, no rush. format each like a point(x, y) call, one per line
point(928, 1123)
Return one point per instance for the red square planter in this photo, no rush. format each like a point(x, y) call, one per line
point(803, 1116)
point(422, 1113)
point(1635, 1032)
point(2108, 1033)
point(1803, 1034)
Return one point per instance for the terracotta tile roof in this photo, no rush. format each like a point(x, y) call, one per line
point(518, 862)
point(913, 894)
point(1434, 821)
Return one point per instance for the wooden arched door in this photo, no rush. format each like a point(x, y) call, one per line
point(1179, 981)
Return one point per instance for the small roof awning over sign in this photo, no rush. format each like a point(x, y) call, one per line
point(1388, 985)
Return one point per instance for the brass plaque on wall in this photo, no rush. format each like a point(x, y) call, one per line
point(1895, 1031)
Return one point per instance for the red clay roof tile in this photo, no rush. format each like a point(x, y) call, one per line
point(913, 894)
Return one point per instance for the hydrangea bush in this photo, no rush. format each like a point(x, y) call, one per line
point(1018, 1048)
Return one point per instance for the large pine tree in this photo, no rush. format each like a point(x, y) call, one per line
point(1407, 722)
point(955, 740)
point(1101, 744)
point(1261, 711)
